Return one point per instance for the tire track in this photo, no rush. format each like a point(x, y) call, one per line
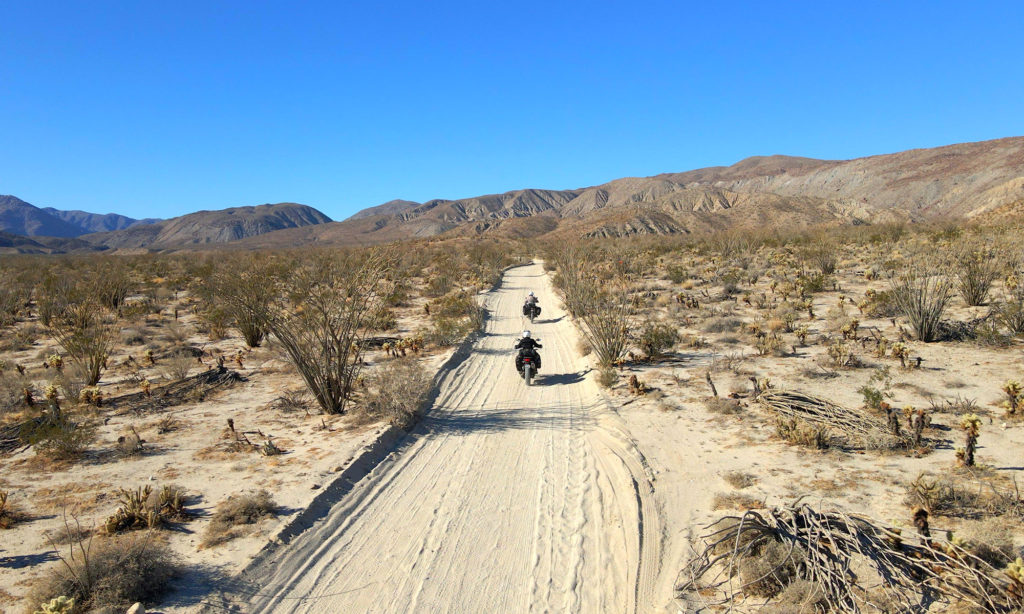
point(505, 498)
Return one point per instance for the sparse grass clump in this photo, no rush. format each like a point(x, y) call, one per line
point(237, 516)
point(740, 479)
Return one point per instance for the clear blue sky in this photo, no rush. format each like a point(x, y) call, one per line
point(162, 108)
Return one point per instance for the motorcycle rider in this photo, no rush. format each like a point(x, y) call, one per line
point(531, 300)
point(527, 346)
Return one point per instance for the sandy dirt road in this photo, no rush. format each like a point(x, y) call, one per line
point(506, 498)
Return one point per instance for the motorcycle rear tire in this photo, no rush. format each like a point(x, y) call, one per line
point(528, 374)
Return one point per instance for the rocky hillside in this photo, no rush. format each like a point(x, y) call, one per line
point(958, 181)
point(968, 180)
point(95, 222)
point(21, 218)
point(211, 227)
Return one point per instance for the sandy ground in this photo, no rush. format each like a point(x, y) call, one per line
point(193, 455)
point(559, 497)
point(506, 497)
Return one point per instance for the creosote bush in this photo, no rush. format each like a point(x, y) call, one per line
point(57, 435)
point(655, 338)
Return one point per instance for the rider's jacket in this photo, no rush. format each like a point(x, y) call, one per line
point(527, 343)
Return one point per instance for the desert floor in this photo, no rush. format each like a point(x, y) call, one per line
point(564, 496)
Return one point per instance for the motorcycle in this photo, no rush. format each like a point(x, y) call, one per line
point(531, 310)
point(528, 363)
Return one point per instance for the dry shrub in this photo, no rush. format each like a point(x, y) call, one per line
point(740, 479)
point(454, 317)
point(9, 513)
point(583, 347)
point(606, 377)
point(799, 597)
point(113, 572)
point(397, 391)
point(57, 436)
point(989, 539)
point(958, 496)
point(177, 367)
point(722, 325)
point(12, 390)
point(237, 516)
point(735, 501)
point(767, 570)
point(723, 405)
point(656, 338)
point(292, 400)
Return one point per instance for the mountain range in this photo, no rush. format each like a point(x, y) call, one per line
point(963, 181)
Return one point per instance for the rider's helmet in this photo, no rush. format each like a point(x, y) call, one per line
point(526, 334)
point(530, 294)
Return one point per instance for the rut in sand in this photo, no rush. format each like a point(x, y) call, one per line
point(506, 498)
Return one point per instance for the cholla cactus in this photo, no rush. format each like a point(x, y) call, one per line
point(91, 396)
point(150, 358)
point(1012, 282)
point(808, 306)
point(146, 387)
point(55, 361)
point(801, 334)
point(849, 331)
point(1015, 571)
point(840, 354)
point(917, 419)
point(58, 605)
point(134, 512)
point(971, 424)
point(1013, 391)
point(901, 351)
point(51, 393)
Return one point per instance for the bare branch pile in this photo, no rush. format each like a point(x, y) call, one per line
point(850, 423)
point(855, 563)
